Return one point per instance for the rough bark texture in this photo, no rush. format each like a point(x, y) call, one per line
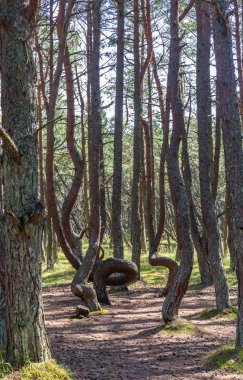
point(231, 126)
point(2, 291)
point(26, 336)
point(135, 217)
point(210, 223)
point(177, 188)
point(118, 250)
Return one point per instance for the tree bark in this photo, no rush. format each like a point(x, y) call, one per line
point(231, 126)
point(118, 250)
point(210, 223)
point(177, 188)
point(26, 335)
point(3, 339)
point(80, 286)
point(135, 217)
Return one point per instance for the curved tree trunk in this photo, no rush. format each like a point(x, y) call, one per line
point(71, 198)
point(64, 20)
point(23, 224)
point(102, 276)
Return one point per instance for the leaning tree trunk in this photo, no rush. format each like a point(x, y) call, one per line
point(231, 126)
point(26, 335)
point(203, 116)
point(177, 188)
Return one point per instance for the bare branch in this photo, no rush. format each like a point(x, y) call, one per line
point(186, 10)
point(13, 150)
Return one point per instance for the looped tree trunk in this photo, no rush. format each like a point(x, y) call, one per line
point(170, 264)
point(112, 272)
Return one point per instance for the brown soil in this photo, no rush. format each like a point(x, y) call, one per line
point(126, 343)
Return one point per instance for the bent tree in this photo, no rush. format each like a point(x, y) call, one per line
point(23, 219)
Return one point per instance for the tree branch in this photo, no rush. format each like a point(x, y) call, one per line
point(13, 150)
point(186, 10)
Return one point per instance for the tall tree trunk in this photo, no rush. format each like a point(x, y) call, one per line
point(80, 286)
point(177, 188)
point(118, 250)
point(231, 126)
point(210, 223)
point(26, 335)
point(2, 290)
point(135, 217)
point(239, 54)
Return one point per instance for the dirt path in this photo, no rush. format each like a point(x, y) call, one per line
point(125, 343)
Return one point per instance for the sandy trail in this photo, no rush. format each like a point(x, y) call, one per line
point(125, 343)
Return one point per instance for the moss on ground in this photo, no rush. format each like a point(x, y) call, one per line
point(210, 313)
point(99, 312)
point(181, 326)
point(227, 358)
point(49, 370)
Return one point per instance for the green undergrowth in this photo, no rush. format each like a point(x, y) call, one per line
point(181, 326)
point(210, 313)
point(227, 358)
point(63, 272)
point(49, 370)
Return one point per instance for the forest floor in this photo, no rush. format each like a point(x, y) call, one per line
point(128, 343)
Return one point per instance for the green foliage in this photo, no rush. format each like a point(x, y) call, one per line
point(49, 370)
point(210, 313)
point(181, 326)
point(227, 358)
point(5, 368)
